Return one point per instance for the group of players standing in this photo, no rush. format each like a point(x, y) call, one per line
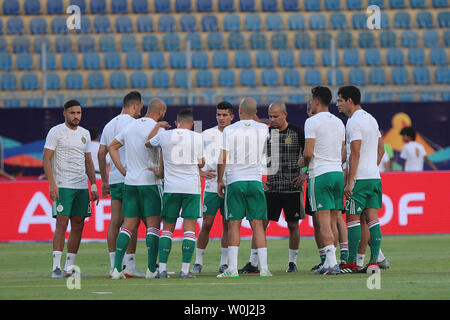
point(155, 177)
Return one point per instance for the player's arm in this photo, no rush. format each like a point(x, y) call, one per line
point(102, 152)
point(6, 175)
point(90, 171)
point(380, 150)
point(113, 150)
point(308, 153)
point(344, 153)
point(431, 164)
point(220, 172)
point(355, 149)
point(53, 189)
point(154, 132)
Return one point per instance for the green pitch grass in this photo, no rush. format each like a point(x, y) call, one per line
point(420, 269)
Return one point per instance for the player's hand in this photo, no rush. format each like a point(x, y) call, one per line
point(94, 197)
point(158, 172)
point(298, 181)
point(54, 192)
point(265, 185)
point(221, 189)
point(105, 190)
point(164, 124)
point(301, 162)
point(208, 174)
point(348, 190)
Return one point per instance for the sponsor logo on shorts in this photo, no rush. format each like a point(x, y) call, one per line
point(319, 206)
point(204, 208)
point(59, 208)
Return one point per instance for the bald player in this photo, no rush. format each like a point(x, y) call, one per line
point(241, 158)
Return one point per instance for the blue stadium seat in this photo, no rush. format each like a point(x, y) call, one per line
point(3, 44)
point(166, 23)
point(247, 5)
point(395, 57)
point(424, 19)
point(107, 43)
point(204, 6)
point(242, 59)
point(5, 61)
point(351, 57)
point(442, 75)
point(402, 20)
point(409, 39)
point(150, 43)
point(156, 60)
point(384, 20)
point(397, 4)
point(388, 39)
point(119, 6)
point(53, 81)
point(98, 6)
point(269, 5)
point(24, 61)
point(183, 5)
point(74, 81)
point(1, 26)
point(128, 42)
point(29, 81)
point(359, 21)
point(307, 58)
point(85, 25)
point(59, 25)
point(140, 6)
point(133, 60)
point(333, 5)
point(443, 18)
point(274, 21)
point(312, 5)
point(235, 41)
point(15, 25)
point(323, 40)
point(138, 79)
point(377, 76)
point(204, 78)
point(177, 60)
point(430, 38)
point(279, 40)
point(366, 39)
point(248, 77)
point(55, 7)
point(214, 40)
point(10, 7)
point(354, 4)
point(373, 57)
point(226, 5)
point(225, 78)
point(438, 56)
point(220, 59)
point(79, 3)
point(91, 60)
point(421, 75)
point(160, 79)
point(8, 80)
point(21, 44)
point(162, 6)
point(285, 58)
point(188, 22)
point(269, 77)
point(112, 60)
point(209, 23)
point(199, 60)
point(357, 76)
point(302, 40)
point(339, 77)
point(416, 56)
point(296, 21)
point(123, 24)
point(86, 44)
point(312, 77)
point(447, 38)
point(291, 77)
point(69, 61)
point(327, 60)
point(38, 41)
point(338, 20)
point(440, 3)
point(195, 39)
point(379, 3)
point(32, 6)
point(264, 59)
point(144, 23)
point(417, 4)
point(231, 22)
point(290, 5)
point(258, 41)
point(252, 22)
point(317, 21)
point(96, 80)
point(180, 78)
point(344, 39)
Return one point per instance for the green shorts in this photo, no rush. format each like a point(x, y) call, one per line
point(245, 199)
point(72, 202)
point(326, 192)
point(190, 204)
point(116, 191)
point(367, 194)
point(212, 202)
point(141, 201)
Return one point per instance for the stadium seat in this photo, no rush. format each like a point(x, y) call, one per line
point(258, 41)
point(359, 21)
point(248, 77)
point(98, 6)
point(424, 19)
point(160, 79)
point(291, 77)
point(438, 56)
point(317, 21)
point(231, 22)
point(443, 18)
point(166, 23)
point(183, 5)
point(385, 24)
point(195, 40)
point(74, 81)
point(226, 5)
point(69, 61)
point(133, 60)
point(264, 59)
point(29, 81)
point(235, 41)
point(107, 43)
point(307, 58)
point(421, 75)
point(274, 21)
point(91, 60)
point(447, 38)
point(344, 39)
point(8, 80)
point(138, 79)
point(199, 60)
point(279, 40)
point(366, 39)
point(204, 6)
point(327, 60)
point(285, 58)
point(388, 39)
point(338, 20)
point(373, 57)
point(144, 23)
point(379, 3)
point(430, 38)
point(214, 40)
point(10, 7)
point(15, 25)
point(351, 57)
point(333, 5)
point(269, 5)
point(296, 21)
point(269, 77)
point(220, 59)
point(242, 59)
point(247, 5)
point(112, 60)
point(162, 6)
point(409, 39)
point(357, 76)
point(55, 7)
point(290, 5)
point(96, 80)
point(85, 25)
point(440, 3)
point(128, 42)
point(52, 81)
point(188, 22)
point(397, 4)
point(32, 6)
point(394, 57)
point(209, 23)
point(338, 77)
point(80, 3)
point(3, 44)
point(204, 78)
point(416, 56)
point(417, 4)
point(21, 44)
point(323, 40)
point(354, 4)
point(50, 61)
point(86, 44)
point(5, 61)
point(225, 78)
point(177, 60)
point(377, 76)
point(312, 5)
point(156, 60)
point(123, 24)
point(302, 40)
point(38, 41)
point(252, 22)
point(150, 43)
point(140, 6)
point(119, 6)
point(312, 77)
point(180, 78)
point(59, 25)
point(24, 61)
point(442, 75)
point(402, 20)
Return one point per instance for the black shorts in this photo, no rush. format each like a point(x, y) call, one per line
point(290, 202)
point(308, 210)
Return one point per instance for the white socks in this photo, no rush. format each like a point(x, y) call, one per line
point(112, 257)
point(381, 256)
point(224, 256)
point(293, 256)
point(185, 267)
point(233, 257)
point(360, 260)
point(130, 261)
point(70, 260)
point(199, 256)
point(254, 257)
point(330, 260)
point(262, 254)
point(56, 259)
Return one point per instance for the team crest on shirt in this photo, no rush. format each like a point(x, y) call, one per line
point(83, 139)
point(59, 208)
point(288, 140)
point(247, 124)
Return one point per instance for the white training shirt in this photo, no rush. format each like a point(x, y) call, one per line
point(414, 153)
point(245, 141)
point(385, 159)
point(182, 153)
point(362, 126)
point(329, 134)
point(110, 131)
point(70, 147)
point(138, 157)
point(212, 146)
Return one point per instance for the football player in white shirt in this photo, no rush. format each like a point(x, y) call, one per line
point(113, 182)
point(67, 145)
point(212, 202)
point(182, 153)
point(413, 153)
point(142, 186)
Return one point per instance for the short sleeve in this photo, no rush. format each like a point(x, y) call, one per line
point(354, 132)
point(52, 140)
point(225, 144)
point(120, 137)
point(309, 129)
point(404, 153)
point(87, 148)
point(104, 138)
point(157, 140)
point(199, 145)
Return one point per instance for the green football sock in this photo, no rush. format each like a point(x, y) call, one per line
point(152, 241)
point(354, 237)
point(375, 241)
point(322, 255)
point(187, 250)
point(344, 251)
point(123, 239)
point(165, 245)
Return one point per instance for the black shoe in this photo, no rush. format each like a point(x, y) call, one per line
point(317, 266)
point(292, 267)
point(248, 268)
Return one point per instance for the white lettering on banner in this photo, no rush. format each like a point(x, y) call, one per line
point(388, 210)
point(101, 216)
point(404, 210)
point(28, 217)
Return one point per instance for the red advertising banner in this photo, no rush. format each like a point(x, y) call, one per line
point(413, 203)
